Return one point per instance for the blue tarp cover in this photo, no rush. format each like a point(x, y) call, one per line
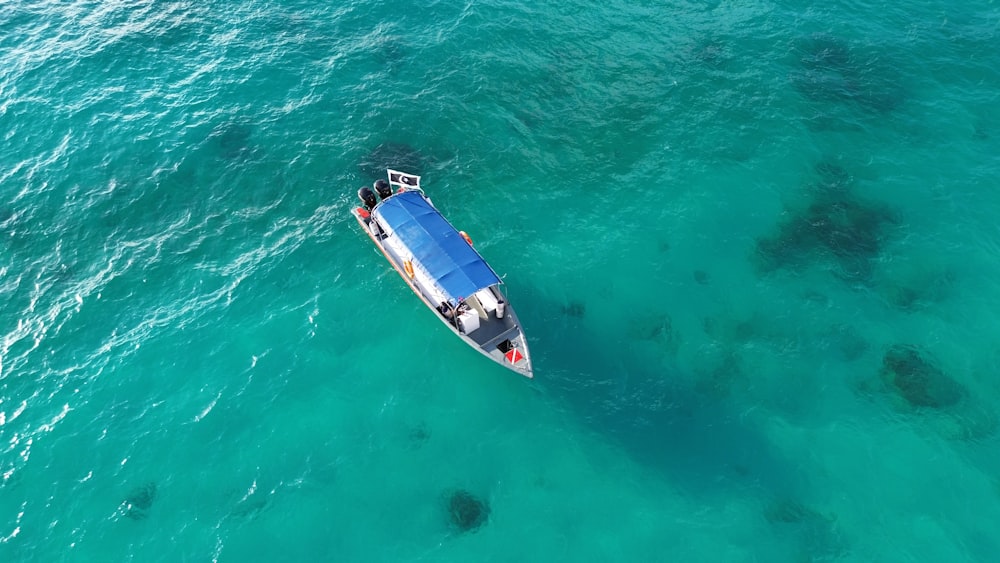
point(435, 244)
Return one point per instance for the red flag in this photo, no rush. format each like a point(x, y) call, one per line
point(514, 355)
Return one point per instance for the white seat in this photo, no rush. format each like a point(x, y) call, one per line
point(468, 321)
point(487, 299)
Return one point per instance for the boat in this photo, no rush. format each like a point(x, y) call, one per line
point(442, 267)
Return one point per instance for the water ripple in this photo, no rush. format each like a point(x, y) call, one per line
point(194, 336)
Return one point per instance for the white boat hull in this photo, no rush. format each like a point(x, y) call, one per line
point(497, 333)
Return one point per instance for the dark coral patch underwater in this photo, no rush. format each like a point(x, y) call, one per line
point(467, 512)
point(834, 225)
point(574, 309)
point(916, 385)
point(831, 70)
point(398, 156)
point(233, 140)
point(139, 501)
point(920, 382)
point(819, 536)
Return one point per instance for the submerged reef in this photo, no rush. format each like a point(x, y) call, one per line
point(848, 343)
point(921, 383)
point(467, 512)
point(788, 511)
point(913, 291)
point(832, 71)
point(391, 52)
point(711, 52)
point(232, 140)
point(656, 329)
point(833, 225)
point(574, 309)
point(138, 501)
point(418, 435)
point(721, 374)
point(819, 537)
point(917, 386)
point(250, 506)
point(398, 156)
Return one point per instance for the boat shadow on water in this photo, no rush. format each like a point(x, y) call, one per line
point(659, 417)
point(703, 442)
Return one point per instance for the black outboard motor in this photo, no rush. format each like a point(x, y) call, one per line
point(367, 198)
point(383, 188)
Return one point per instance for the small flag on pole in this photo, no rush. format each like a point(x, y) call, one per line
point(403, 179)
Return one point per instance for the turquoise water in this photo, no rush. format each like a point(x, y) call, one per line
point(754, 246)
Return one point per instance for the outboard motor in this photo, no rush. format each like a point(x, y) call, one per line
point(383, 188)
point(367, 198)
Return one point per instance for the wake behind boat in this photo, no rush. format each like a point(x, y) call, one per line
point(442, 267)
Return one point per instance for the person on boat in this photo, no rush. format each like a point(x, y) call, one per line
point(446, 311)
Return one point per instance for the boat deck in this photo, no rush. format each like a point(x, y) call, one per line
point(453, 280)
point(491, 332)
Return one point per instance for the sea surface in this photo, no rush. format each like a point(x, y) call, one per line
point(754, 245)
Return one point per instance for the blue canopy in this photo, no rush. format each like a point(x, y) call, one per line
point(436, 245)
